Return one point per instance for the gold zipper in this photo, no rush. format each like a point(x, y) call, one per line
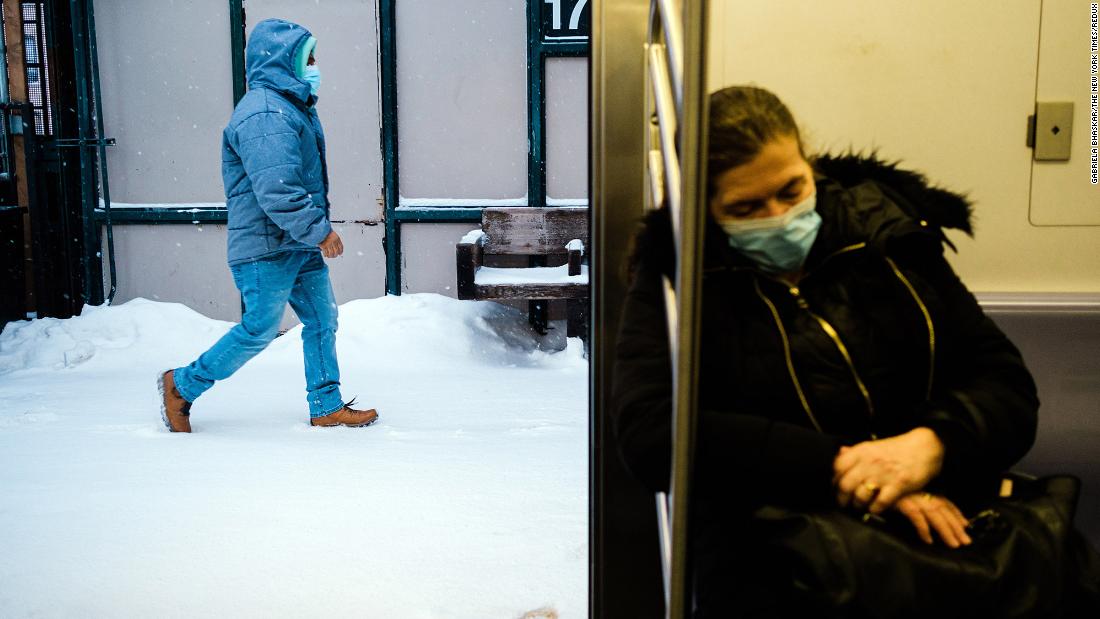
point(832, 333)
point(927, 322)
point(787, 354)
point(825, 325)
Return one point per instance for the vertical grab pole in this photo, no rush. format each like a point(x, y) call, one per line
point(692, 148)
point(677, 75)
point(673, 26)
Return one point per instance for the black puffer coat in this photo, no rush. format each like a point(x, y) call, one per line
point(878, 337)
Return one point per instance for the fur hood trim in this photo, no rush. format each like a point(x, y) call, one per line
point(911, 190)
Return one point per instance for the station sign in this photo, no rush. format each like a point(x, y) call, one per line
point(566, 21)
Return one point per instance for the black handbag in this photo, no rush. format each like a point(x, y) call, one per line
point(1026, 560)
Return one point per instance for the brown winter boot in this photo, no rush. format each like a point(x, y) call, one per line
point(346, 416)
point(174, 410)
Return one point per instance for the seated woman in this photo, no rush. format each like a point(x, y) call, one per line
point(842, 360)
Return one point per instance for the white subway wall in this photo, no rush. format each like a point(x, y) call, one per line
point(944, 86)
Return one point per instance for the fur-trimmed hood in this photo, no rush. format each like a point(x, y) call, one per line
point(911, 190)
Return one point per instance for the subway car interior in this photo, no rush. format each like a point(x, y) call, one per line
point(588, 255)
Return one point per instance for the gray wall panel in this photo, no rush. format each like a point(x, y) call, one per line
point(167, 91)
point(176, 263)
point(462, 98)
point(428, 254)
point(567, 128)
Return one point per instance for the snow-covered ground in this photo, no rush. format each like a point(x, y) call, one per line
point(468, 499)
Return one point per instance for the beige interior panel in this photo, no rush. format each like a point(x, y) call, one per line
point(944, 86)
point(1062, 193)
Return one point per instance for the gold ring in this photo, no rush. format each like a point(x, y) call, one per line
point(927, 496)
point(871, 487)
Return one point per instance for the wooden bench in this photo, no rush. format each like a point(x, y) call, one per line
point(533, 254)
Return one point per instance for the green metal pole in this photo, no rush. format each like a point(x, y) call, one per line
point(93, 284)
point(387, 20)
point(236, 39)
point(97, 112)
point(536, 138)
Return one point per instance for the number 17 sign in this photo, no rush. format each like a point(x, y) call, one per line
point(566, 21)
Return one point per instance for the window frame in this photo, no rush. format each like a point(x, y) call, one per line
point(538, 50)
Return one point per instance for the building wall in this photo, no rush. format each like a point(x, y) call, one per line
point(167, 79)
point(463, 123)
point(167, 86)
point(946, 87)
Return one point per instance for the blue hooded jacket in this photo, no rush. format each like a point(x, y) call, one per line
point(273, 153)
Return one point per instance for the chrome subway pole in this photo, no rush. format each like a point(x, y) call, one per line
point(676, 58)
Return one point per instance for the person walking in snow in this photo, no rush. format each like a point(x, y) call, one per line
point(276, 187)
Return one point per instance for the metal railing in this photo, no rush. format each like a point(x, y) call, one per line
point(676, 59)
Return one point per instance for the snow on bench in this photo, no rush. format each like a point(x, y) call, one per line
point(497, 276)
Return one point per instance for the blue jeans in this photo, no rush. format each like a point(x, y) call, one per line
point(266, 286)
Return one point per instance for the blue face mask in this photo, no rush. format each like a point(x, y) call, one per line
point(312, 76)
point(777, 244)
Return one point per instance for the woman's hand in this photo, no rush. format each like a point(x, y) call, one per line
point(876, 474)
point(930, 512)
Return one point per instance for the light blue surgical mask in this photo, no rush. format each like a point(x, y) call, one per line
point(312, 76)
point(777, 244)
